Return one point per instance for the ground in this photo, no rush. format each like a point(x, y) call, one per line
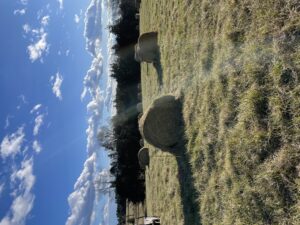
point(236, 66)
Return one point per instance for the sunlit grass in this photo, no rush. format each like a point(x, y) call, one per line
point(237, 65)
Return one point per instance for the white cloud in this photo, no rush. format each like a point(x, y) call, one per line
point(23, 201)
point(82, 200)
point(36, 146)
point(45, 20)
point(7, 121)
point(23, 99)
point(39, 45)
point(56, 85)
point(26, 28)
point(25, 175)
point(2, 187)
point(93, 27)
point(67, 52)
point(61, 4)
point(37, 49)
point(89, 198)
point(20, 12)
point(39, 120)
point(76, 18)
point(11, 144)
point(24, 2)
point(35, 108)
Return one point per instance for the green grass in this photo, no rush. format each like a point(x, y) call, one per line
point(237, 65)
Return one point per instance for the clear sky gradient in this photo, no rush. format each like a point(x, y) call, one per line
point(43, 120)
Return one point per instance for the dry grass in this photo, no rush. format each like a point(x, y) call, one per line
point(237, 64)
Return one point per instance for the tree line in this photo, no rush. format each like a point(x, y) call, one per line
point(123, 140)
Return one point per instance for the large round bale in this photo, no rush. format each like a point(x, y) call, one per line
point(146, 49)
point(160, 124)
point(143, 156)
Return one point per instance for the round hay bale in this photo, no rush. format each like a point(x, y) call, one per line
point(143, 156)
point(160, 124)
point(146, 49)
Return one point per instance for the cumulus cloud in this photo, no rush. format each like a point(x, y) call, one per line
point(20, 12)
point(76, 18)
point(38, 122)
point(61, 4)
point(39, 45)
point(56, 85)
point(36, 146)
point(45, 20)
point(90, 196)
point(37, 49)
point(23, 201)
point(35, 108)
point(11, 144)
point(92, 30)
point(81, 201)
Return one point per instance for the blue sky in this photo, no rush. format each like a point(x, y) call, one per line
point(47, 130)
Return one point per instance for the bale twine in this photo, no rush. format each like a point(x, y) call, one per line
point(160, 124)
point(143, 156)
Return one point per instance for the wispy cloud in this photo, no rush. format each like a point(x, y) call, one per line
point(45, 20)
point(23, 201)
point(37, 49)
point(56, 85)
point(76, 18)
point(7, 121)
point(61, 4)
point(38, 122)
point(36, 146)
point(24, 2)
point(39, 45)
point(2, 187)
point(35, 108)
point(11, 144)
point(20, 12)
point(26, 28)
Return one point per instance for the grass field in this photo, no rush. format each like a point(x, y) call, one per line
point(236, 64)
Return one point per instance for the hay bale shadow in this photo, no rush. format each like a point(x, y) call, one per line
point(158, 67)
point(162, 126)
point(188, 192)
point(147, 50)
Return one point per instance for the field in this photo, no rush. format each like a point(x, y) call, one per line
point(236, 66)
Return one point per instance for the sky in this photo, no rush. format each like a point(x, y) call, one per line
point(56, 94)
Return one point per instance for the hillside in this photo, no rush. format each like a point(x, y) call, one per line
point(236, 64)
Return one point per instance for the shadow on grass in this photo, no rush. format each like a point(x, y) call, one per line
point(189, 194)
point(158, 67)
